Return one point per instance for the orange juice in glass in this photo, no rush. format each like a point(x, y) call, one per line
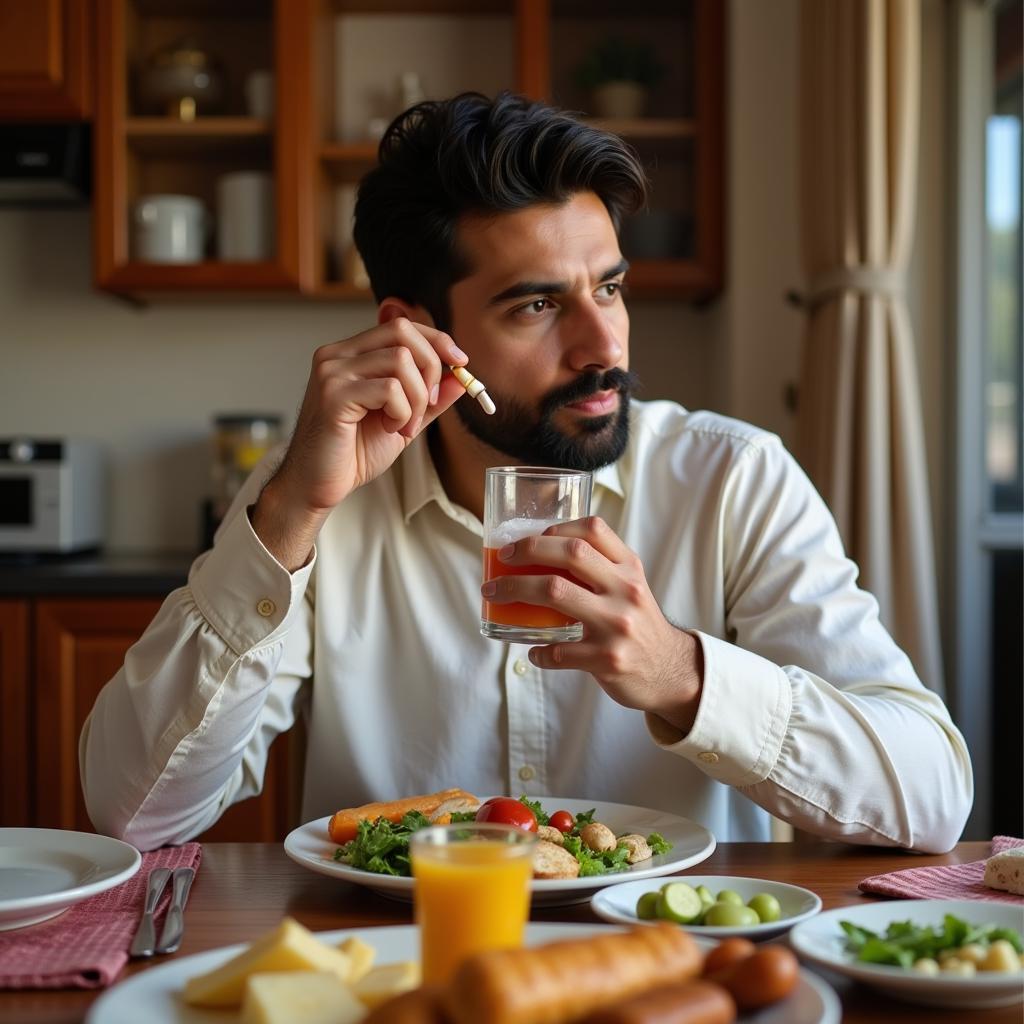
point(472, 891)
point(521, 501)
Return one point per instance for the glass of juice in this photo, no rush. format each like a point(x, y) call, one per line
point(520, 501)
point(472, 891)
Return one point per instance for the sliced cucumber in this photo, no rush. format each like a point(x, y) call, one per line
point(679, 902)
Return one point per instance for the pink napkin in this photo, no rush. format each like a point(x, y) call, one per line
point(952, 882)
point(87, 946)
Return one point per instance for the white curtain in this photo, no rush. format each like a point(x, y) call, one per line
point(860, 434)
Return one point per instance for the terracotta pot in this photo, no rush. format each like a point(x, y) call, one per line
point(620, 99)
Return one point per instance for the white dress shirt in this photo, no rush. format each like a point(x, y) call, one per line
point(809, 710)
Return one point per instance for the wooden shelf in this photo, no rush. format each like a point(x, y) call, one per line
point(209, 275)
point(341, 291)
point(461, 7)
point(348, 153)
point(167, 137)
point(650, 279)
point(647, 127)
point(204, 8)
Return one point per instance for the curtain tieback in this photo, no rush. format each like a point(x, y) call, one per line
point(881, 281)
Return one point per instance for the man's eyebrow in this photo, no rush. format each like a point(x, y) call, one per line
point(524, 288)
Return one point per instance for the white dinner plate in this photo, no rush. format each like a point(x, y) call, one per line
point(43, 871)
point(618, 903)
point(153, 995)
point(311, 846)
point(823, 942)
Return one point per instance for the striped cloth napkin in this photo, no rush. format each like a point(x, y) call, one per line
point(87, 946)
point(950, 882)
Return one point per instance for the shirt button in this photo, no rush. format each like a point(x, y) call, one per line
point(526, 773)
point(266, 607)
point(708, 757)
point(519, 667)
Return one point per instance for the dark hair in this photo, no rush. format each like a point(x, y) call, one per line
point(440, 160)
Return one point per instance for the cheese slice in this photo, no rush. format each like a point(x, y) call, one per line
point(361, 956)
point(300, 997)
point(1005, 871)
point(386, 981)
point(289, 947)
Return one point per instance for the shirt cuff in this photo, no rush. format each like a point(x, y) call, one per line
point(245, 594)
point(742, 718)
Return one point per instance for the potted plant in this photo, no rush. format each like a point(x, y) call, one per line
point(619, 71)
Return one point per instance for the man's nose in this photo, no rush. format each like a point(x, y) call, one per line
point(594, 343)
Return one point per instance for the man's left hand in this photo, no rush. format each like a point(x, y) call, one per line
point(640, 659)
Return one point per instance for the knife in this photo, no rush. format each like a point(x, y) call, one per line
point(144, 942)
point(174, 924)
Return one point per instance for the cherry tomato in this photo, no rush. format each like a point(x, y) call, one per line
point(562, 820)
point(503, 810)
point(760, 979)
point(727, 952)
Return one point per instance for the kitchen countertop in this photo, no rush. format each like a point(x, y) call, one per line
point(95, 575)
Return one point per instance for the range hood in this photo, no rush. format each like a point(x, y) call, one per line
point(45, 164)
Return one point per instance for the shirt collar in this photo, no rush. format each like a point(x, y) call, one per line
point(421, 484)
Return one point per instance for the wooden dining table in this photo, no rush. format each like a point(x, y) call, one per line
point(244, 889)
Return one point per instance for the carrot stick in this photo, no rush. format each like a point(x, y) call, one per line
point(344, 824)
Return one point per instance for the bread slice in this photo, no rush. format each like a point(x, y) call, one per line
point(1005, 871)
point(551, 861)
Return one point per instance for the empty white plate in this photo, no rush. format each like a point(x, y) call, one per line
point(43, 871)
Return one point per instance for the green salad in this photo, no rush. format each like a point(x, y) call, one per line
point(382, 846)
point(904, 943)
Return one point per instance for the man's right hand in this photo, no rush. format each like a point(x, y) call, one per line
point(366, 399)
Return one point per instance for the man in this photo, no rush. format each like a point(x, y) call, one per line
point(729, 666)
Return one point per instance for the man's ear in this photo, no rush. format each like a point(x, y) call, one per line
point(392, 308)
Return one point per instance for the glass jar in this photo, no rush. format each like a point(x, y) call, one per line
point(240, 441)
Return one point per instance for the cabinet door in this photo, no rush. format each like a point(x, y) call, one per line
point(45, 65)
point(80, 644)
point(15, 738)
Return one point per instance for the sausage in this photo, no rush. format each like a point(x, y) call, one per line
point(564, 981)
point(693, 1002)
point(417, 1006)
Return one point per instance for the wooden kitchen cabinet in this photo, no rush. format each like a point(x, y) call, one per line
point(46, 53)
point(15, 748)
point(140, 150)
point(341, 70)
point(56, 654)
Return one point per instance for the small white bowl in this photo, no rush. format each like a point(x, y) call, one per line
point(823, 942)
point(618, 903)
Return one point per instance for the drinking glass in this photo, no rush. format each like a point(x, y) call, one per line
point(520, 501)
point(471, 893)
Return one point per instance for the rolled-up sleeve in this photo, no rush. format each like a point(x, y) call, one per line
point(808, 705)
point(182, 731)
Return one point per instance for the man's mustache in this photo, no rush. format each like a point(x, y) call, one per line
point(589, 384)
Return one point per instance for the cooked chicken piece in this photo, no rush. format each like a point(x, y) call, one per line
point(550, 861)
point(598, 837)
point(637, 846)
point(552, 835)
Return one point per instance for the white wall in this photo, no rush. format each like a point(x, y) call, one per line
point(146, 382)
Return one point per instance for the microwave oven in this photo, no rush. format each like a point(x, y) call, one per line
point(51, 495)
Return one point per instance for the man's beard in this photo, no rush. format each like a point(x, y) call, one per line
point(534, 440)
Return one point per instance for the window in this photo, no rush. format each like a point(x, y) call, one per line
point(987, 579)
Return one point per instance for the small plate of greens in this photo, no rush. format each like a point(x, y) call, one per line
point(382, 852)
point(955, 953)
